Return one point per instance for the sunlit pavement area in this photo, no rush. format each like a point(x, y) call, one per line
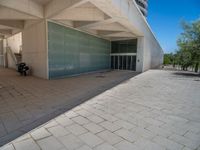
point(115, 110)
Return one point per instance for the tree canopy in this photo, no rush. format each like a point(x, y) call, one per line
point(188, 53)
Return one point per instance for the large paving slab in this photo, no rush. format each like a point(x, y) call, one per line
point(27, 102)
point(156, 110)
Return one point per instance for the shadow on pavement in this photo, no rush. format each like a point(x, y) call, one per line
point(188, 74)
point(97, 83)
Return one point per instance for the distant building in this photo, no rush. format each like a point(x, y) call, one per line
point(143, 5)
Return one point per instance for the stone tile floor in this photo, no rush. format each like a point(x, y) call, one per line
point(27, 102)
point(156, 110)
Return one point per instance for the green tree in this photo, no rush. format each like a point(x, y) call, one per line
point(168, 59)
point(189, 45)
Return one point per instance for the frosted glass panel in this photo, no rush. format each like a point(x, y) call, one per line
point(73, 52)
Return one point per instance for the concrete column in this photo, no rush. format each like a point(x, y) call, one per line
point(34, 48)
point(1, 53)
point(1, 46)
point(140, 52)
point(5, 55)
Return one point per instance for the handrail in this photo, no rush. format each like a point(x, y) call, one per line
point(9, 50)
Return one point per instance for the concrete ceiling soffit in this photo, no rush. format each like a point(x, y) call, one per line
point(5, 27)
point(5, 31)
point(55, 7)
point(121, 34)
point(105, 33)
point(91, 32)
point(81, 14)
point(79, 24)
point(110, 27)
point(42, 2)
point(122, 38)
point(28, 7)
point(96, 23)
point(109, 8)
point(7, 13)
point(131, 27)
point(15, 31)
point(103, 5)
point(19, 24)
point(29, 23)
point(66, 22)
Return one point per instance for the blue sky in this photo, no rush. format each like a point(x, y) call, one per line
point(164, 17)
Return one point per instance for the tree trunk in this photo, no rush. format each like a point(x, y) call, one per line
point(196, 67)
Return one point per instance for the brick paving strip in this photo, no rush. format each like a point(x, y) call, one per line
point(156, 110)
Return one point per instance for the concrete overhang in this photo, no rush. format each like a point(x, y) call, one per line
point(109, 19)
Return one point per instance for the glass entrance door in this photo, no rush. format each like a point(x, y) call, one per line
point(123, 62)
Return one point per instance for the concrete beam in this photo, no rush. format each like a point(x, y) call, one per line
point(5, 27)
point(28, 7)
point(1, 36)
point(13, 23)
point(57, 6)
point(6, 31)
point(121, 39)
point(81, 14)
point(121, 35)
point(120, 9)
point(99, 23)
point(78, 24)
point(104, 33)
point(110, 27)
point(66, 22)
point(11, 14)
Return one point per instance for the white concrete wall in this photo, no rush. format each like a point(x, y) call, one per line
point(34, 48)
point(1, 53)
point(14, 42)
point(152, 51)
point(140, 49)
point(1, 46)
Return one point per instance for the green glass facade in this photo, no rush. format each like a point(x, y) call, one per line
point(72, 52)
point(125, 46)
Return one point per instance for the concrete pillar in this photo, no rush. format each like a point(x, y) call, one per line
point(34, 49)
point(1, 46)
point(5, 55)
point(1, 53)
point(140, 51)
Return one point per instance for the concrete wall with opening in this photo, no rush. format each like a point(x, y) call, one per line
point(49, 53)
point(15, 44)
point(10, 50)
point(124, 54)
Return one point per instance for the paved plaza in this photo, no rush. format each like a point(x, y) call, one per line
point(156, 110)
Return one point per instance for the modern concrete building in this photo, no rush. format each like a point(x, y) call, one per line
point(59, 38)
point(143, 5)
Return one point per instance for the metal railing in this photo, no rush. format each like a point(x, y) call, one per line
point(9, 50)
